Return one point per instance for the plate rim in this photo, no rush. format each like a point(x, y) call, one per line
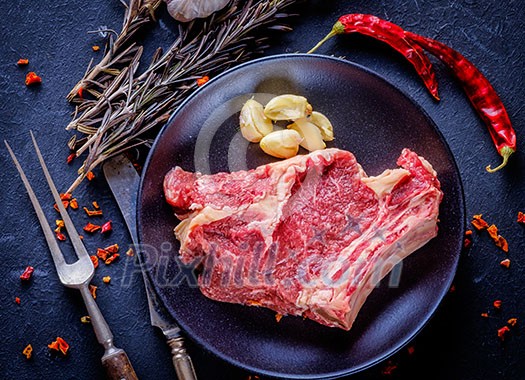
point(462, 218)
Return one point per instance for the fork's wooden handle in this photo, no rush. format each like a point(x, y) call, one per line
point(181, 360)
point(118, 366)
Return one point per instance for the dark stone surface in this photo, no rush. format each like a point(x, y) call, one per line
point(457, 343)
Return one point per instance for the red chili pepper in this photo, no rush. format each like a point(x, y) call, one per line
point(391, 34)
point(27, 273)
point(481, 94)
point(17, 300)
point(32, 79)
point(106, 227)
point(521, 217)
point(203, 80)
point(23, 62)
point(70, 158)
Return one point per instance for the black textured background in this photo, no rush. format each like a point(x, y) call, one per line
point(457, 343)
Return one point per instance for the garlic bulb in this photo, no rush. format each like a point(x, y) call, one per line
point(187, 10)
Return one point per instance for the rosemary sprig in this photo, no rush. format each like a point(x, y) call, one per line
point(132, 104)
point(120, 51)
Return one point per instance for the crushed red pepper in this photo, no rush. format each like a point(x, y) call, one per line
point(92, 212)
point(94, 260)
point(60, 236)
point(90, 227)
point(23, 62)
point(70, 158)
point(59, 345)
point(111, 258)
point(17, 300)
point(521, 217)
point(497, 304)
point(73, 204)
point(106, 279)
point(106, 227)
point(130, 252)
point(80, 92)
point(502, 332)
point(505, 263)
point(203, 80)
point(502, 243)
point(95, 48)
point(112, 248)
point(485, 315)
point(95, 205)
point(93, 291)
point(278, 317)
point(85, 319)
point(512, 322)
point(389, 368)
point(28, 351)
point(90, 176)
point(102, 254)
point(32, 79)
point(479, 223)
point(64, 202)
point(411, 350)
point(28, 272)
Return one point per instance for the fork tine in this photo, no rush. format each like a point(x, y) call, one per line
point(70, 227)
point(58, 258)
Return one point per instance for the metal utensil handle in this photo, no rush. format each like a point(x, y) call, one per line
point(181, 360)
point(118, 366)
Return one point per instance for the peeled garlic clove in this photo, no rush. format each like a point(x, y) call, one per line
point(287, 107)
point(324, 125)
point(254, 124)
point(311, 134)
point(187, 10)
point(281, 144)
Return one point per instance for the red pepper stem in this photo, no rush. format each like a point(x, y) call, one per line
point(338, 28)
point(505, 152)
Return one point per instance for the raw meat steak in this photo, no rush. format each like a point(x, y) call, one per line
point(310, 235)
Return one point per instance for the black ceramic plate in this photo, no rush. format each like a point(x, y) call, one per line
point(372, 119)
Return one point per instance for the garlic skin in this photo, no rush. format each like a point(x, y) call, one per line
point(254, 124)
point(188, 10)
point(324, 125)
point(281, 144)
point(287, 107)
point(311, 134)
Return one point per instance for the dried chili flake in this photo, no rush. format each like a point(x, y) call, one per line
point(521, 217)
point(411, 350)
point(493, 232)
point(17, 300)
point(60, 236)
point(485, 315)
point(112, 248)
point(60, 223)
point(92, 212)
point(85, 319)
point(90, 176)
point(64, 202)
point(389, 368)
point(106, 227)
point(467, 243)
point(106, 279)
point(94, 260)
point(111, 258)
point(497, 304)
point(502, 332)
point(80, 92)
point(278, 317)
point(253, 303)
point(28, 272)
point(130, 252)
point(452, 288)
point(73, 204)
point(95, 48)
point(93, 291)
point(478, 222)
point(23, 62)
point(59, 345)
point(203, 80)
point(468, 233)
point(32, 79)
point(90, 227)
point(502, 243)
point(512, 322)
point(28, 351)
point(102, 253)
point(505, 263)
point(95, 205)
point(70, 158)
point(66, 196)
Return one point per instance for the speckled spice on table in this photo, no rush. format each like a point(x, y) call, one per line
point(457, 343)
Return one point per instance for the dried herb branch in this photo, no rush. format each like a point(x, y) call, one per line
point(120, 51)
point(132, 104)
